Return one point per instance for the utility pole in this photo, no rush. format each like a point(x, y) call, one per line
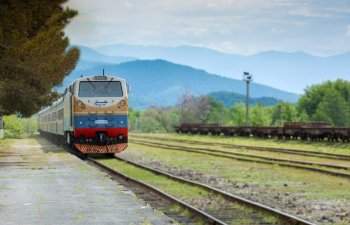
point(247, 77)
point(280, 115)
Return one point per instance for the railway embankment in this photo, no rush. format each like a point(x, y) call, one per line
point(41, 183)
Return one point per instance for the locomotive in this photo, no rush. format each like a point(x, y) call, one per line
point(92, 115)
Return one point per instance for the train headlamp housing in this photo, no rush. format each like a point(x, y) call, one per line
point(80, 104)
point(122, 103)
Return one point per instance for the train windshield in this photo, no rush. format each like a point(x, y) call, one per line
point(100, 89)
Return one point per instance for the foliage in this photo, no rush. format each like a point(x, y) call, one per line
point(231, 98)
point(33, 54)
point(155, 119)
point(16, 127)
point(326, 102)
point(133, 119)
point(284, 112)
point(202, 110)
point(260, 116)
point(329, 101)
point(237, 115)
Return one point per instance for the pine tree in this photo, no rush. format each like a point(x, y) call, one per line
point(33, 53)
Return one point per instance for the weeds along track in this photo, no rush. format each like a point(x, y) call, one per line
point(156, 197)
point(263, 157)
point(318, 167)
point(257, 148)
point(223, 208)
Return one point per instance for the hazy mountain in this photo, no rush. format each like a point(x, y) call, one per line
point(231, 98)
point(90, 58)
point(158, 82)
point(287, 71)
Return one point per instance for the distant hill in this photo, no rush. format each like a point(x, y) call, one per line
point(158, 82)
point(231, 98)
point(287, 71)
point(90, 58)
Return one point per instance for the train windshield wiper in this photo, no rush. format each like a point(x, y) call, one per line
point(109, 82)
point(92, 84)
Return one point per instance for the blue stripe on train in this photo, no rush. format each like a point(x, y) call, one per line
point(105, 121)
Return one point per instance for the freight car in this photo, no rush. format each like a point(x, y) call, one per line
point(314, 131)
point(92, 115)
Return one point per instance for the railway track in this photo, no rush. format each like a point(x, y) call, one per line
point(257, 148)
point(235, 210)
point(317, 167)
point(268, 158)
point(155, 197)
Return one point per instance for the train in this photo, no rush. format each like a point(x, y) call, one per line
point(313, 131)
point(91, 115)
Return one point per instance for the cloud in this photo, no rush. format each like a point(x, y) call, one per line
point(236, 26)
point(347, 33)
point(276, 30)
point(308, 12)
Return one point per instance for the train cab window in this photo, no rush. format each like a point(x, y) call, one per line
point(100, 89)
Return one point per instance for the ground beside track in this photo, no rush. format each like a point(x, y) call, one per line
point(41, 183)
point(322, 146)
point(320, 198)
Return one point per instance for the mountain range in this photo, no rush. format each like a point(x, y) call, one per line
point(282, 70)
point(162, 83)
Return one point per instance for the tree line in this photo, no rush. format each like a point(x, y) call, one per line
point(329, 102)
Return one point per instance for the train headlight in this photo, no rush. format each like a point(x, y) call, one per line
point(81, 104)
point(122, 103)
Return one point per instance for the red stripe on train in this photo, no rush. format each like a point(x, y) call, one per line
point(91, 132)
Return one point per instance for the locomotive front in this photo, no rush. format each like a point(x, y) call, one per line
point(100, 114)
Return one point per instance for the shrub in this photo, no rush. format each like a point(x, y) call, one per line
point(16, 127)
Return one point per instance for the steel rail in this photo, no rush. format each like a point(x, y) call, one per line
point(207, 152)
point(232, 197)
point(259, 148)
point(209, 218)
point(260, 157)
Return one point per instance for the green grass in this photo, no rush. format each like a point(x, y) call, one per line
point(328, 147)
point(161, 182)
point(180, 190)
point(308, 183)
point(277, 155)
point(252, 155)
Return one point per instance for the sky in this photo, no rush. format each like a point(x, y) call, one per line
point(317, 27)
